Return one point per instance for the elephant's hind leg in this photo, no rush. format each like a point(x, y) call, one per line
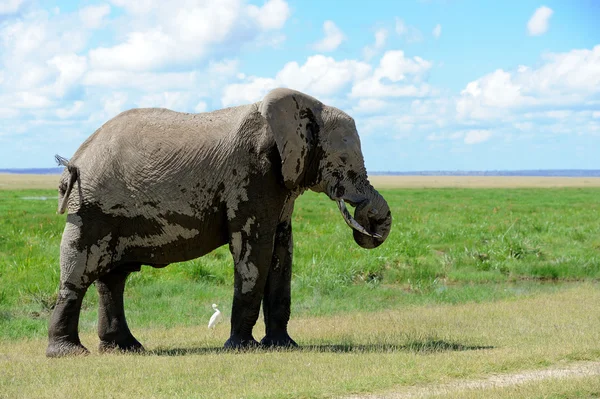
point(112, 325)
point(83, 255)
point(63, 337)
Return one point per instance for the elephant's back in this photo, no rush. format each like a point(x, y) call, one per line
point(150, 152)
point(156, 131)
point(145, 129)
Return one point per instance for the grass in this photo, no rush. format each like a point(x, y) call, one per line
point(471, 283)
point(446, 246)
point(384, 351)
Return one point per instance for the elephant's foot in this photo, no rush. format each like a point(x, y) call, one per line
point(128, 344)
point(62, 348)
point(241, 343)
point(278, 340)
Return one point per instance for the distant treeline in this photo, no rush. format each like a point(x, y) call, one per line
point(547, 173)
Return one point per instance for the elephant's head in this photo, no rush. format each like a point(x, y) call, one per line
point(320, 150)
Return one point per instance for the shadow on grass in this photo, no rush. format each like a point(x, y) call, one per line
point(419, 346)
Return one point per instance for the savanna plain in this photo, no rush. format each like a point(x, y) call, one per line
point(486, 287)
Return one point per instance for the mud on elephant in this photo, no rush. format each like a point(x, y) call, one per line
point(153, 187)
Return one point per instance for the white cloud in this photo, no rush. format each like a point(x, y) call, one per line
point(408, 32)
point(32, 51)
point(524, 126)
point(319, 76)
point(24, 37)
point(68, 112)
point(477, 136)
point(253, 90)
point(201, 107)
point(445, 136)
point(93, 16)
point(71, 68)
point(203, 24)
point(8, 113)
point(38, 36)
point(394, 67)
point(44, 57)
point(380, 39)
point(270, 39)
point(31, 76)
point(577, 71)
point(538, 23)
point(142, 51)
point(114, 104)
point(143, 81)
point(215, 75)
point(564, 79)
point(224, 68)
point(25, 100)
point(10, 6)
point(138, 6)
point(373, 87)
point(469, 137)
point(369, 105)
point(482, 97)
point(178, 55)
point(177, 101)
point(180, 32)
point(272, 15)
point(332, 40)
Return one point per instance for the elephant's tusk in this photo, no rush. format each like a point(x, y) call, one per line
point(351, 222)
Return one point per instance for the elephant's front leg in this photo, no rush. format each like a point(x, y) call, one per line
point(252, 251)
point(277, 300)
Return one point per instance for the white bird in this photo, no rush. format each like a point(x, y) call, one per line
point(215, 318)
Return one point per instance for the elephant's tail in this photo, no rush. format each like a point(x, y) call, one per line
point(65, 186)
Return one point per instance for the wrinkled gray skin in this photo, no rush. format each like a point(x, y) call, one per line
point(153, 187)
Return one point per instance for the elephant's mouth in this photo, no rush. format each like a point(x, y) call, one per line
point(350, 221)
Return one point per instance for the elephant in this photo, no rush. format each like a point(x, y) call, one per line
point(153, 186)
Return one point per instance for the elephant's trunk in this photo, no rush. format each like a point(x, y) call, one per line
point(372, 220)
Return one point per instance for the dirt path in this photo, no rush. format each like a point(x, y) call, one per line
point(574, 370)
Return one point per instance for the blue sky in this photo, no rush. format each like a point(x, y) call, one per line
point(432, 84)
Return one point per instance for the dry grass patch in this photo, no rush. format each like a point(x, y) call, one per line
point(341, 355)
point(381, 182)
point(9, 181)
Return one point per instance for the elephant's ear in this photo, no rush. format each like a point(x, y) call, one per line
point(295, 120)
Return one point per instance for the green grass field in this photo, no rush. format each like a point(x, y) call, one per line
point(470, 282)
